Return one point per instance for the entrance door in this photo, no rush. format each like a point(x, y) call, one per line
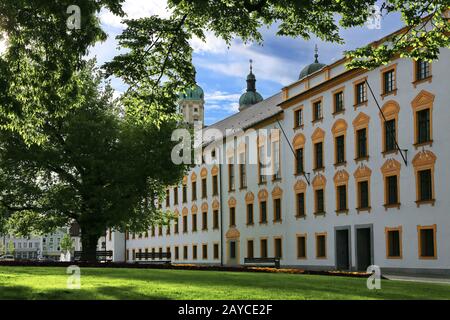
point(233, 252)
point(342, 249)
point(363, 248)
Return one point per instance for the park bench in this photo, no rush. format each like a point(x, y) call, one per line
point(153, 257)
point(266, 261)
point(102, 255)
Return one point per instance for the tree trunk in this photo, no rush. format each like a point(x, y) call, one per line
point(89, 245)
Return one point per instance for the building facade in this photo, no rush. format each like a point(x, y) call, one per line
point(358, 176)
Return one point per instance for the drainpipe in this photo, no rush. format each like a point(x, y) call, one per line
point(221, 214)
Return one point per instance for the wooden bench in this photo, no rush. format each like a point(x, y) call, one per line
point(274, 261)
point(153, 257)
point(101, 255)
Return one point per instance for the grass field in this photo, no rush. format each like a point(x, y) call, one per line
point(50, 283)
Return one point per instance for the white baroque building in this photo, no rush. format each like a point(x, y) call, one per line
point(344, 197)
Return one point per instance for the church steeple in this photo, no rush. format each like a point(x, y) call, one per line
point(316, 55)
point(251, 96)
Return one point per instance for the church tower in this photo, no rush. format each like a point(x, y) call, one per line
point(191, 105)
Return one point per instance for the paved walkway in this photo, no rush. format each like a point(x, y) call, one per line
point(418, 278)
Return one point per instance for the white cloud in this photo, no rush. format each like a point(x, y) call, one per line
point(218, 96)
point(135, 9)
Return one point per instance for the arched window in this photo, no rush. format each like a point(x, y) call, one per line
point(423, 164)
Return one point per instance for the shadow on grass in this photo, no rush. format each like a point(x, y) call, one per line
point(104, 293)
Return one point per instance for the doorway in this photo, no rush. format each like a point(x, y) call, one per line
point(364, 247)
point(342, 239)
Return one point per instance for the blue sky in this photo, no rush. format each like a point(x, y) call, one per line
point(221, 71)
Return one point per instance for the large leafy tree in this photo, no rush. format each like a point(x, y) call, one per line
point(98, 166)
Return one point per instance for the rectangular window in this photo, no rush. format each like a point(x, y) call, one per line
point(392, 190)
point(321, 246)
point(361, 93)
point(363, 194)
point(318, 151)
point(317, 110)
point(194, 252)
point(340, 149)
point(232, 217)
point(194, 222)
point(342, 198)
point(389, 135)
point(423, 126)
point(393, 243)
point(320, 208)
point(301, 247)
point(261, 165)
point(276, 160)
point(278, 248)
point(232, 250)
point(298, 118)
point(204, 188)
point(216, 251)
point(422, 70)
point(242, 171)
point(160, 253)
point(185, 224)
point(389, 81)
point(361, 144)
point(277, 210)
point(425, 185)
point(175, 195)
point(300, 204)
point(152, 231)
point(263, 248)
point(338, 102)
point(249, 213)
point(299, 161)
point(194, 190)
point(176, 228)
point(427, 243)
point(215, 219)
point(167, 198)
point(263, 212)
point(205, 252)
point(250, 249)
point(204, 220)
point(168, 229)
point(177, 253)
point(184, 193)
point(215, 186)
point(231, 185)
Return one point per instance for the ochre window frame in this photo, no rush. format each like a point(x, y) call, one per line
point(313, 102)
point(363, 173)
point(214, 173)
point(355, 93)
point(318, 136)
point(341, 179)
point(261, 247)
point(204, 256)
point(333, 94)
point(424, 160)
point(300, 187)
point(194, 211)
point(242, 150)
point(185, 213)
point(400, 235)
point(299, 143)
point(249, 199)
point(263, 195)
point(361, 121)
point(428, 79)
point(300, 235)
point(294, 112)
point(275, 238)
point(194, 180)
point(277, 194)
point(391, 167)
point(248, 247)
point(319, 182)
point(204, 176)
point(429, 227)
point(204, 209)
point(391, 110)
point(424, 100)
point(232, 204)
point(261, 142)
point(339, 129)
point(318, 234)
point(382, 72)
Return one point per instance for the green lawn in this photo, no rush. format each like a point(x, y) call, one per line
point(50, 283)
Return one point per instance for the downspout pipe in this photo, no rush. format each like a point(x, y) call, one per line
point(221, 213)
